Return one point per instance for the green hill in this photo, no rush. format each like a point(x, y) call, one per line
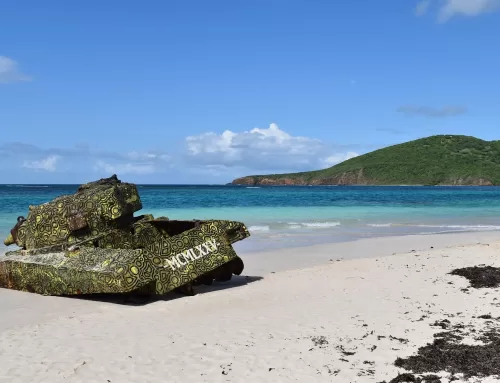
point(435, 160)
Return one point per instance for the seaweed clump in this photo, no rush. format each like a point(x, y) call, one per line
point(444, 354)
point(479, 277)
point(447, 354)
point(410, 378)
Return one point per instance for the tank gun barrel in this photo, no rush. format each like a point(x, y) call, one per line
point(9, 240)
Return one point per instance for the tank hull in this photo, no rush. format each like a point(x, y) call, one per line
point(196, 256)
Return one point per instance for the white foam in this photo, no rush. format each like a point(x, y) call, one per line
point(280, 235)
point(259, 228)
point(464, 227)
point(320, 224)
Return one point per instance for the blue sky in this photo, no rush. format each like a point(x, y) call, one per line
point(205, 91)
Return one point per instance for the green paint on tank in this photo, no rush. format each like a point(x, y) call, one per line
point(90, 242)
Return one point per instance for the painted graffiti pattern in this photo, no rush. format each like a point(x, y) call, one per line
point(90, 242)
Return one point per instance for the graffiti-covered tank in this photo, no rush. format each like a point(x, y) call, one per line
point(90, 242)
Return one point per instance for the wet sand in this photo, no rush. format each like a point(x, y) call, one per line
point(343, 312)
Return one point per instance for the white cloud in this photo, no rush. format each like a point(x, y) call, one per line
point(47, 164)
point(125, 168)
point(82, 157)
point(422, 7)
point(261, 149)
point(467, 8)
point(139, 156)
point(206, 156)
point(337, 158)
point(9, 71)
point(451, 8)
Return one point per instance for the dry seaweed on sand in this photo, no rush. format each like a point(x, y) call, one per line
point(445, 354)
point(406, 377)
point(444, 324)
point(480, 276)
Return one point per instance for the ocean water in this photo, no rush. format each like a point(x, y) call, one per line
point(279, 216)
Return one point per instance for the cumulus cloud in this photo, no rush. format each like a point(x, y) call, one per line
point(261, 149)
point(448, 9)
point(205, 157)
point(447, 111)
point(48, 164)
point(9, 71)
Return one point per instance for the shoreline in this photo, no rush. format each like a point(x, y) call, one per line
point(293, 315)
point(291, 258)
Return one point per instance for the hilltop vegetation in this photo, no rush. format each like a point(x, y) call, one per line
point(435, 160)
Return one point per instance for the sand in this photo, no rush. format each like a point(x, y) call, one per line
point(298, 315)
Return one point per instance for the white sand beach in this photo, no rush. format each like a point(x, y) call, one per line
point(329, 313)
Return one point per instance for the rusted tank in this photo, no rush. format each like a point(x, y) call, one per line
point(90, 242)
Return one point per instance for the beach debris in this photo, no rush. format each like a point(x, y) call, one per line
point(480, 276)
point(90, 242)
point(406, 377)
point(330, 370)
point(366, 372)
point(319, 340)
point(344, 352)
point(445, 354)
point(451, 353)
point(400, 340)
point(226, 368)
point(445, 323)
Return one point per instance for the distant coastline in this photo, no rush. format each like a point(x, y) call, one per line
point(234, 183)
point(442, 160)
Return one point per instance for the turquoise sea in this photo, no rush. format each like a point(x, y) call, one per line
point(286, 216)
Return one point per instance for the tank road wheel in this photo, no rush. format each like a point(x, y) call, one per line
point(206, 279)
point(186, 289)
point(224, 273)
point(238, 265)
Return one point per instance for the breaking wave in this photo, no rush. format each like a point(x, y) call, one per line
point(259, 228)
point(315, 224)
